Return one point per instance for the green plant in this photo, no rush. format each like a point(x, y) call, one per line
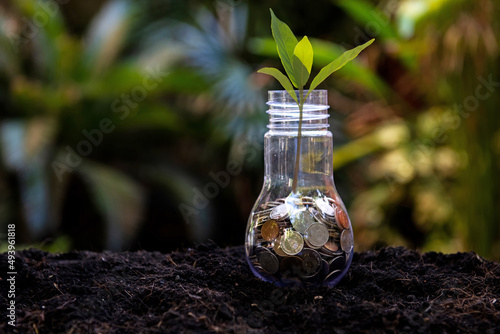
point(297, 59)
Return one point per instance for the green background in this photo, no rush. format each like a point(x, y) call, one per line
point(115, 114)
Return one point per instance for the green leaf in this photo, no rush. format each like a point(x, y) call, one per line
point(285, 43)
point(302, 61)
point(337, 64)
point(282, 79)
point(304, 51)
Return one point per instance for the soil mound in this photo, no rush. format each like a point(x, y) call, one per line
point(207, 289)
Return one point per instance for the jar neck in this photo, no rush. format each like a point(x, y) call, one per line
point(284, 113)
point(281, 145)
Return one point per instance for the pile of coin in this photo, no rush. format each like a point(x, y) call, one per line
point(306, 239)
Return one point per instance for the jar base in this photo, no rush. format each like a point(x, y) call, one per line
point(300, 241)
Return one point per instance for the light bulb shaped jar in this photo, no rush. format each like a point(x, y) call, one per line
point(299, 233)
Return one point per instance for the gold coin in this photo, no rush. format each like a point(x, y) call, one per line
point(270, 230)
point(342, 218)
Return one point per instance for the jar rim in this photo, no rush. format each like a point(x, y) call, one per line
point(283, 99)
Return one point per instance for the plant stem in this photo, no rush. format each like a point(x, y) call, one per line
point(299, 142)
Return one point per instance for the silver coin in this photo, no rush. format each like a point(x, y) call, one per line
point(308, 244)
point(291, 242)
point(324, 254)
point(324, 207)
point(270, 205)
point(317, 234)
point(330, 221)
point(301, 220)
point(331, 254)
point(325, 268)
point(332, 274)
point(261, 214)
point(346, 241)
point(334, 232)
point(303, 204)
point(332, 202)
point(311, 262)
point(281, 212)
point(269, 262)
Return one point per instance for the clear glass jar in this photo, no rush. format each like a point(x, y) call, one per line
point(299, 234)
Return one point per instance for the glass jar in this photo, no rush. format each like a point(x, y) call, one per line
point(298, 232)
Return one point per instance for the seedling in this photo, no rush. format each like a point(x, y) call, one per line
point(297, 59)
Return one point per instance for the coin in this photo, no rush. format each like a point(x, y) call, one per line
point(269, 262)
point(291, 242)
point(308, 244)
point(311, 262)
point(332, 274)
point(331, 255)
point(270, 230)
point(333, 202)
point(342, 218)
point(277, 247)
point(324, 207)
point(281, 212)
point(291, 266)
point(331, 246)
point(259, 249)
point(325, 268)
point(346, 241)
point(301, 220)
point(328, 220)
point(317, 234)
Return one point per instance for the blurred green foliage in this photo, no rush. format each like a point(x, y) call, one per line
point(113, 113)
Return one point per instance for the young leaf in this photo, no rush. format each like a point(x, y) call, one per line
point(337, 64)
point(304, 51)
point(283, 80)
point(285, 43)
point(302, 61)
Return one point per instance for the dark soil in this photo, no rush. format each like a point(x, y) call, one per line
point(208, 289)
